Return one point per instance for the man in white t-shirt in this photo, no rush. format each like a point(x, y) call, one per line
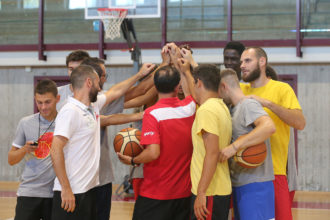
point(76, 145)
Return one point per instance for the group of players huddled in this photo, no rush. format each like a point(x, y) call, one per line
point(194, 120)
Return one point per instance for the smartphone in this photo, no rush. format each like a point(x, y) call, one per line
point(35, 143)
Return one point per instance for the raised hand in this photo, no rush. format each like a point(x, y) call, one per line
point(146, 69)
point(166, 55)
point(186, 54)
point(183, 65)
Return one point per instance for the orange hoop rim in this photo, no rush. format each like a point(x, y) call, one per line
point(112, 9)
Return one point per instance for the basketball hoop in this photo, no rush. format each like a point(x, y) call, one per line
point(112, 19)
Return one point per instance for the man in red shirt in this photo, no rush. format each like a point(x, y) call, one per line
point(166, 135)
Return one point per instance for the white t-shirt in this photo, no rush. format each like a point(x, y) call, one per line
point(116, 106)
point(80, 124)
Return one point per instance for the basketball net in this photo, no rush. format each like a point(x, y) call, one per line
point(112, 19)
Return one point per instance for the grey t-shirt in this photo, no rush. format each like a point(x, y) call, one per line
point(106, 171)
point(243, 116)
point(138, 171)
point(38, 176)
point(64, 92)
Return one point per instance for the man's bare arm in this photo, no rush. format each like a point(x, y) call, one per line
point(15, 155)
point(56, 152)
point(141, 88)
point(265, 127)
point(150, 153)
point(293, 117)
point(121, 88)
point(211, 144)
point(144, 86)
point(188, 83)
point(117, 119)
point(143, 99)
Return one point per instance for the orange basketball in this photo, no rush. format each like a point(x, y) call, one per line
point(251, 157)
point(127, 142)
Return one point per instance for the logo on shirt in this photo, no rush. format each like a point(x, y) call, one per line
point(150, 133)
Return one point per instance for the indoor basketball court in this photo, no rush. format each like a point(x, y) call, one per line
point(39, 35)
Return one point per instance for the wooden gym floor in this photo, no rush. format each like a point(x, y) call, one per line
point(307, 205)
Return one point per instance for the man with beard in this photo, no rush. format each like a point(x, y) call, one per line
point(76, 145)
point(232, 55)
point(253, 189)
point(110, 114)
point(281, 104)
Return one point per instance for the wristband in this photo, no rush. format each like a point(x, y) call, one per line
point(132, 162)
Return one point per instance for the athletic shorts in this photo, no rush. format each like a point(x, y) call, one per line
point(85, 207)
point(103, 201)
point(218, 206)
point(32, 208)
point(153, 209)
point(254, 201)
point(282, 198)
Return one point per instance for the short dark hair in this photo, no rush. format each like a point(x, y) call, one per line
point(166, 79)
point(235, 45)
point(77, 55)
point(210, 76)
point(80, 74)
point(95, 63)
point(44, 86)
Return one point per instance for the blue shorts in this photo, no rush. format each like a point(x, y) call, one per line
point(254, 201)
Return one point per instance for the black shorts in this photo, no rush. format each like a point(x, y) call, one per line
point(218, 206)
point(153, 209)
point(85, 207)
point(33, 208)
point(103, 201)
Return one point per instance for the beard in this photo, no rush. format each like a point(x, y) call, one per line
point(255, 74)
point(93, 94)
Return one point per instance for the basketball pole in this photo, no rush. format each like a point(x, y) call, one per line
point(127, 28)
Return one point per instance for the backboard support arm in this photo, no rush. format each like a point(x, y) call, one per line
point(129, 34)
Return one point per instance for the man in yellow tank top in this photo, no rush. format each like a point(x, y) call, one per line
point(281, 104)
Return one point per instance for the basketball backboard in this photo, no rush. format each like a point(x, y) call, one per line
point(136, 8)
